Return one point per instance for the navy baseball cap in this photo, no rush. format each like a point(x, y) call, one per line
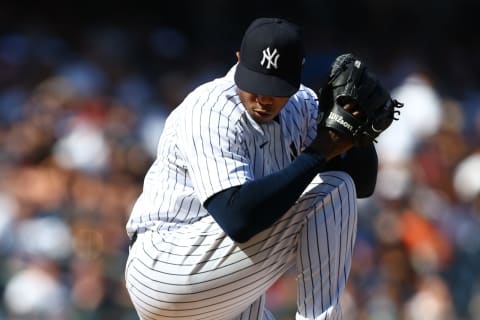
point(272, 55)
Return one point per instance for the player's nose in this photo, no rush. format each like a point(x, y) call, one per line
point(265, 100)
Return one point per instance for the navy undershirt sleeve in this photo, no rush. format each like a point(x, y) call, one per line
point(246, 210)
point(362, 165)
point(249, 209)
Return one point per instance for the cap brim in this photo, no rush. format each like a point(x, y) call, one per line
point(263, 84)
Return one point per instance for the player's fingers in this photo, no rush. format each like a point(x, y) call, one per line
point(352, 109)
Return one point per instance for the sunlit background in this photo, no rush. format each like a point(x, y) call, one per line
point(84, 92)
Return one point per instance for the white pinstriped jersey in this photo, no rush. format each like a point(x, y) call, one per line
point(210, 143)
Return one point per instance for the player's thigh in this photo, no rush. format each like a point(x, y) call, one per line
point(203, 275)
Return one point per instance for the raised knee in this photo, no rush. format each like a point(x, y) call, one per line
point(343, 181)
point(329, 181)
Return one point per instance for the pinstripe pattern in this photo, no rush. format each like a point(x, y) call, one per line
point(199, 273)
point(327, 250)
point(183, 266)
point(228, 148)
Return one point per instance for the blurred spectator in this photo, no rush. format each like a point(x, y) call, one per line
point(420, 117)
point(432, 301)
point(466, 183)
point(36, 292)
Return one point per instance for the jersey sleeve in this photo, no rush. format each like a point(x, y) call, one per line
point(213, 145)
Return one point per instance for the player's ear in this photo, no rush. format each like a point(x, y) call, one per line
point(238, 55)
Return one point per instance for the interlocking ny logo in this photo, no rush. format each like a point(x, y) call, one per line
point(270, 58)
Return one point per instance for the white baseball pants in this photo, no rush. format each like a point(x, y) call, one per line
point(198, 273)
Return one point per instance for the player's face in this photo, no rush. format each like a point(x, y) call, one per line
point(262, 109)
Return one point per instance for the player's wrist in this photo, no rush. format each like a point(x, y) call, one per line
point(330, 144)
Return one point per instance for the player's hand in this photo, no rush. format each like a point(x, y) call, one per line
point(331, 143)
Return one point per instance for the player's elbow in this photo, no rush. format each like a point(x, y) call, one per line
point(235, 228)
point(240, 235)
point(365, 191)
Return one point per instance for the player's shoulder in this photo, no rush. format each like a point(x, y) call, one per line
point(305, 92)
point(216, 96)
point(305, 97)
point(211, 91)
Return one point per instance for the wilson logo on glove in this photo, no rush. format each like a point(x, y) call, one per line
point(339, 119)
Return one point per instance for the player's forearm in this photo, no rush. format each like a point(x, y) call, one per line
point(249, 209)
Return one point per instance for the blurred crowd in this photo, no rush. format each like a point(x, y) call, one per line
point(79, 123)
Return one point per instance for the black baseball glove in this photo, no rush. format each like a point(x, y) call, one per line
point(349, 82)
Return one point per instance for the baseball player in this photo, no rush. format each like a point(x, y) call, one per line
point(246, 185)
